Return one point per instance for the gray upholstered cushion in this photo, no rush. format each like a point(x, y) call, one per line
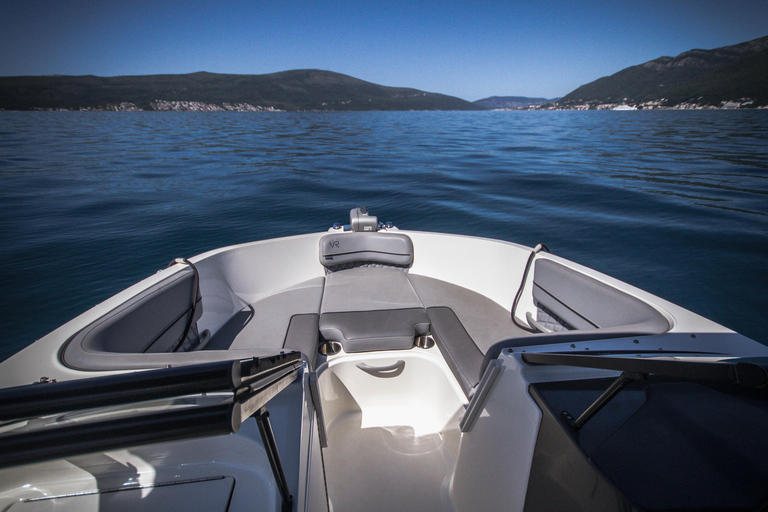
point(585, 303)
point(388, 329)
point(152, 322)
point(368, 289)
point(344, 248)
point(371, 308)
point(549, 320)
point(485, 321)
point(272, 316)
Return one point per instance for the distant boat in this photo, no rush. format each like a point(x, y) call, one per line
point(624, 107)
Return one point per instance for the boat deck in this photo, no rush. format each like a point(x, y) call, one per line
point(385, 468)
point(393, 435)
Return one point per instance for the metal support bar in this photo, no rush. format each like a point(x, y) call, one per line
point(248, 384)
point(477, 403)
point(314, 393)
point(751, 372)
point(45, 399)
point(613, 390)
point(268, 437)
point(259, 393)
point(79, 437)
point(53, 398)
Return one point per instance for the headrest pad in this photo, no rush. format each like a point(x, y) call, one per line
point(386, 248)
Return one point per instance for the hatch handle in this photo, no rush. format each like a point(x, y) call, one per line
point(387, 371)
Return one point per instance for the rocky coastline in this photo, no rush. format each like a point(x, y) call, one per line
point(199, 106)
point(169, 106)
point(743, 103)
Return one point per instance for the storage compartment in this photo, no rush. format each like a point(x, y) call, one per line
point(392, 428)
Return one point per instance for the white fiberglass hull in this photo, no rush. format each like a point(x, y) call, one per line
point(432, 425)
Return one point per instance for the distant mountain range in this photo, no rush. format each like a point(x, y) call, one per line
point(729, 76)
point(511, 102)
point(289, 90)
point(732, 77)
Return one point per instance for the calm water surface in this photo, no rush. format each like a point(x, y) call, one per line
point(673, 202)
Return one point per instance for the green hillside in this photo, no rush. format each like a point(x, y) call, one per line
point(704, 77)
point(288, 90)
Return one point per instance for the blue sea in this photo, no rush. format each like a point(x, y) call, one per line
point(675, 202)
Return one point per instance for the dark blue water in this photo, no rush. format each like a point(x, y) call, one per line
point(672, 202)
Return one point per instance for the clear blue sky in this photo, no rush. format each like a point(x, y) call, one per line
point(466, 49)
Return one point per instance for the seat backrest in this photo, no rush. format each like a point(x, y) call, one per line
point(586, 303)
point(152, 322)
point(344, 250)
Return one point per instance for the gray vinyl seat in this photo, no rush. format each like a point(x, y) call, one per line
point(471, 330)
point(368, 301)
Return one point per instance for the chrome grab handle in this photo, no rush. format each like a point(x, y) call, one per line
point(536, 325)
